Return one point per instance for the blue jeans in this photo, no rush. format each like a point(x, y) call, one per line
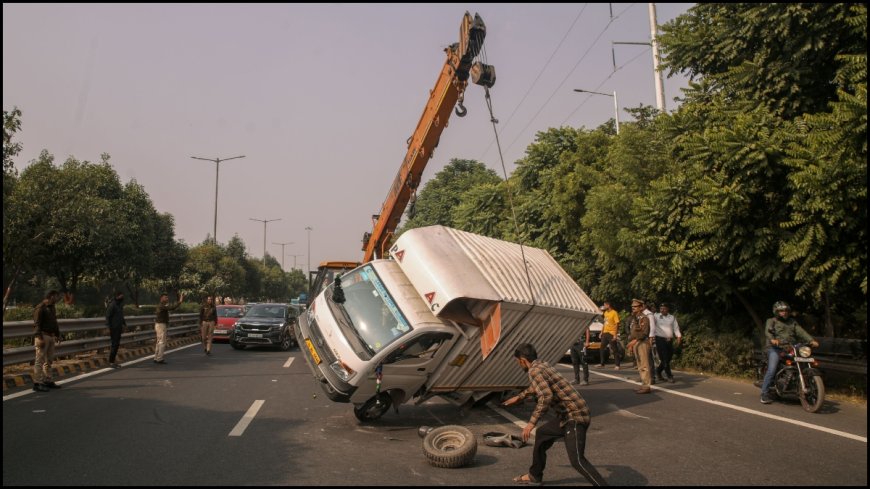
point(772, 363)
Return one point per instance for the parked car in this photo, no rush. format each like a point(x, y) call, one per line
point(227, 315)
point(266, 324)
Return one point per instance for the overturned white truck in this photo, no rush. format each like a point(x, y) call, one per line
point(443, 317)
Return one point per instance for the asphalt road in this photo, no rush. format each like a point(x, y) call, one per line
point(184, 423)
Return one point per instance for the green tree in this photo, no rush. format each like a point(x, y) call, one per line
point(443, 193)
point(60, 218)
point(12, 266)
point(828, 199)
point(781, 55)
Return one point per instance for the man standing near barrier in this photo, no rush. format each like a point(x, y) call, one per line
point(116, 322)
point(161, 323)
point(207, 320)
point(46, 335)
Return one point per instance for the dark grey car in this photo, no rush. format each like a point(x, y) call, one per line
point(266, 324)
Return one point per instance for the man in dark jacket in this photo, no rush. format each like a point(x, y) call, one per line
point(116, 322)
point(46, 335)
point(207, 320)
point(778, 330)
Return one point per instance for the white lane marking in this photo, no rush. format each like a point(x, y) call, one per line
point(513, 419)
point(247, 418)
point(624, 412)
point(742, 409)
point(289, 361)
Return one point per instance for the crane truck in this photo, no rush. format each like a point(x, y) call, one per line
point(440, 311)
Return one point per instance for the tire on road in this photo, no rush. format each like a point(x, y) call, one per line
point(450, 446)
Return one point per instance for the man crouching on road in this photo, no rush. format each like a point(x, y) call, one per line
point(552, 390)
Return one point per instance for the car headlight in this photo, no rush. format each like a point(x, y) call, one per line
point(341, 369)
point(805, 351)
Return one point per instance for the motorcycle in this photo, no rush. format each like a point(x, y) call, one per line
point(797, 376)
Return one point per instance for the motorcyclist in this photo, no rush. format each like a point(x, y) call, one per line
point(778, 330)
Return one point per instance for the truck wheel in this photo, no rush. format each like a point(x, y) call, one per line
point(372, 409)
point(236, 345)
point(450, 446)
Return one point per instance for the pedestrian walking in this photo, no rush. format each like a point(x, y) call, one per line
point(207, 320)
point(570, 424)
point(610, 335)
point(46, 336)
point(648, 309)
point(578, 359)
point(161, 323)
point(116, 323)
point(666, 329)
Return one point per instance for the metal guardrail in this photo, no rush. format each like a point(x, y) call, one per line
point(179, 325)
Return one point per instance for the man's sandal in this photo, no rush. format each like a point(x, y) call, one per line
point(526, 479)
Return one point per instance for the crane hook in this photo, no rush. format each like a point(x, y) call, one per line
point(460, 109)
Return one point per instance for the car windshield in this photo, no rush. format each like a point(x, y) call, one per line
point(266, 311)
point(371, 310)
point(229, 312)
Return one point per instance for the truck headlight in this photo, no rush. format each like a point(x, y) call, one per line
point(341, 369)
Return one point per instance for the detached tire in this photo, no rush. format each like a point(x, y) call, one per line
point(450, 446)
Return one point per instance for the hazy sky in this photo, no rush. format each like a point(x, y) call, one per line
point(319, 98)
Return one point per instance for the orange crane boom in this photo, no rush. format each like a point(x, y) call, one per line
point(448, 92)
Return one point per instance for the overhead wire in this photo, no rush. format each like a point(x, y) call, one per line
point(603, 82)
point(583, 57)
point(541, 72)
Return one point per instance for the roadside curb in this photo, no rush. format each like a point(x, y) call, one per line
point(97, 361)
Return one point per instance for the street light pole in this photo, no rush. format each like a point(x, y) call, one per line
point(282, 254)
point(294, 260)
point(264, 221)
point(615, 103)
point(309, 229)
point(217, 173)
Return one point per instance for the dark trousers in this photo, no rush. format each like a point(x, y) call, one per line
point(578, 358)
point(608, 341)
point(115, 334)
point(574, 434)
point(665, 349)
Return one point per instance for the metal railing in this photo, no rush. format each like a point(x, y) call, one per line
point(179, 325)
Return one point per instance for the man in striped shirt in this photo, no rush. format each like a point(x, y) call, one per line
point(570, 424)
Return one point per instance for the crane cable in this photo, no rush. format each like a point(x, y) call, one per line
point(520, 236)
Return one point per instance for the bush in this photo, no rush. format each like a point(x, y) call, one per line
point(716, 353)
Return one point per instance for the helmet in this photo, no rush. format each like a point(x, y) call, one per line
point(780, 306)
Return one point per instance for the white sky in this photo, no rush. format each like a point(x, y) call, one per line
point(320, 98)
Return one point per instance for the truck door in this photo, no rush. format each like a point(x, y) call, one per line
point(408, 365)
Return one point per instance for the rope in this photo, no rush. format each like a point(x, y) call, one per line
point(510, 196)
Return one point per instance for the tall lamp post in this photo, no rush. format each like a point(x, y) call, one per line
point(615, 103)
point(294, 260)
point(282, 254)
point(309, 229)
point(264, 221)
point(217, 173)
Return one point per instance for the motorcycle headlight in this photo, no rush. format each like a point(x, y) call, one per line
point(341, 369)
point(805, 351)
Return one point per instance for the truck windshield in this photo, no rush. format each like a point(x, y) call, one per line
point(371, 310)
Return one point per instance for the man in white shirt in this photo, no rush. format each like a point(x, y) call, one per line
point(666, 328)
point(648, 312)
